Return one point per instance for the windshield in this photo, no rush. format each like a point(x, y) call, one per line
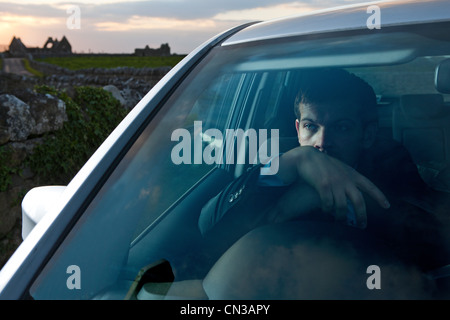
point(236, 111)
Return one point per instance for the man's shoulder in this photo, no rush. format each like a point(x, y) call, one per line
point(384, 146)
point(389, 164)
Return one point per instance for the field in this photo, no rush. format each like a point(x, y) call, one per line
point(105, 61)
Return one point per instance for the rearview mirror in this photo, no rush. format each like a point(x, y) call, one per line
point(36, 203)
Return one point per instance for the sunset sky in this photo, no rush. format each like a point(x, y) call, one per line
point(118, 26)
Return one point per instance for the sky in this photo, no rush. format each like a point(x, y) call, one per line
point(119, 26)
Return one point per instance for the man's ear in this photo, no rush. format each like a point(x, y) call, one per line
point(297, 127)
point(370, 135)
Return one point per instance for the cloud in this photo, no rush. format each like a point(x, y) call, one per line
point(154, 23)
point(198, 14)
point(266, 13)
point(121, 11)
point(35, 10)
point(205, 9)
point(108, 25)
point(178, 9)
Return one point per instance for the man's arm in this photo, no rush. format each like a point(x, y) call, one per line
point(318, 181)
point(336, 183)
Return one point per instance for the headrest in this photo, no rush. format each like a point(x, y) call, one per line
point(442, 77)
point(423, 106)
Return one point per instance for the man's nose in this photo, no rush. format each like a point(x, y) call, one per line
point(322, 140)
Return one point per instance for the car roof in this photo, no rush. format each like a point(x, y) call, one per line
point(351, 17)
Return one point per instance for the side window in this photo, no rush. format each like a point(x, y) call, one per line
point(211, 109)
point(215, 102)
point(145, 184)
point(276, 95)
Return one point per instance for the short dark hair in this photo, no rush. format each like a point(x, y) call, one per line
point(318, 86)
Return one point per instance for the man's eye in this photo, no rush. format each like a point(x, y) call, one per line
point(310, 126)
point(342, 127)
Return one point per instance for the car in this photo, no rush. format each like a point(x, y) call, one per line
point(127, 225)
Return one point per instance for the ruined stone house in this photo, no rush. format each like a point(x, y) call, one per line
point(56, 46)
point(163, 50)
point(51, 47)
point(17, 48)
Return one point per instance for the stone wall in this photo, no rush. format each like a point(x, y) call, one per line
point(132, 83)
point(26, 116)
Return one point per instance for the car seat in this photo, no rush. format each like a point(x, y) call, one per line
point(442, 78)
point(421, 122)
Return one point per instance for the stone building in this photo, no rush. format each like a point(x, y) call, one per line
point(53, 47)
point(17, 48)
point(163, 50)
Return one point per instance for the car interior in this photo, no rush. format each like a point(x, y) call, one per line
point(418, 121)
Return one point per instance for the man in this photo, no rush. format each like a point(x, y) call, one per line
point(341, 171)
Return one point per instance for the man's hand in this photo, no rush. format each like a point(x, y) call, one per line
point(335, 182)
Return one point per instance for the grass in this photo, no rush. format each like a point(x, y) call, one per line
point(100, 61)
point(34, 72)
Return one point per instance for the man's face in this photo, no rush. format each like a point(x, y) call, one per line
point(334, 129)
